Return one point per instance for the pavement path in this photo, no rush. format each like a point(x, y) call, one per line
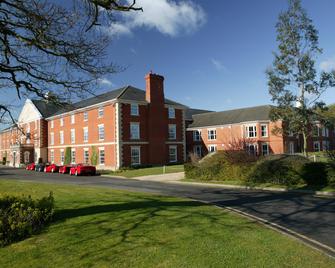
point(310, 216)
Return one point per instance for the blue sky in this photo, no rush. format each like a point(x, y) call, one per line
point(213, 54)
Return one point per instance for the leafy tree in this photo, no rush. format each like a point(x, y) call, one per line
point(293, 81)
point(57, 46)
point(94, 156)
point(67, 157)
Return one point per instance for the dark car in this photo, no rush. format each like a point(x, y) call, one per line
point(40, 167)
point(82, 169)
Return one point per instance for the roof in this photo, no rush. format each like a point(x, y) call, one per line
point(190, 112)
point(257, 113)
point(46, 109)
point(125, 93)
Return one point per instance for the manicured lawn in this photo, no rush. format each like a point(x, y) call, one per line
point(146, 171)
point(104, 228)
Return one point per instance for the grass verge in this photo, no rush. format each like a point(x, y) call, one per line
point(131, 173)
point(106, 228)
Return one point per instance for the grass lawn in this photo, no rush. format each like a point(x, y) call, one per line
point(130, 173)
point(105, 228)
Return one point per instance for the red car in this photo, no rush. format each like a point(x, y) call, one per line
point(30, 166)
point(64, 169)
point(81, 169)
point(52, 168)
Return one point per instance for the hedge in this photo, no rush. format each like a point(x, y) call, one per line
point(21, 217)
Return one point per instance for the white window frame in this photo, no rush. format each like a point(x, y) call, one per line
point(101, 132)
point(172, 112)
point(255, 150)
point(61, 137)
point(86, 156)
point(61, 121)
point(52, 138)
point(264, 132)
point(325, 132)
point(85, 134)
point(197, 135)
point(212, 148)
point(251, 129)
point(134, 109)
point(173, 158)
point(51, 124)
point(138, 149)
point(73, 135)
point(101, 112)
point(62, 156)
point(267, 152)
point(73, 156)
point(102, 163)
point(172, 132)
point(197, 150)
point(85, 115)
point(325, 145)
point(73, 119)
point(52, 156)
point(318, 147)
point(211, 134)
point(135, 135)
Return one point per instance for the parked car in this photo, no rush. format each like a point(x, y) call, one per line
point(40, 167)
point(52, 168)
point(82, 169)
point(30, 166)
point(64, 169)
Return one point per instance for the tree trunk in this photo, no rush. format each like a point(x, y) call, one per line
point(304, 150)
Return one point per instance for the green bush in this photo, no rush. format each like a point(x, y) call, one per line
point(67, 157)
point(4, 160)
point(278, 169)
point(315, 173)
point(94, 156)
point(331, 174)
point(21, 217)
point(221, 166)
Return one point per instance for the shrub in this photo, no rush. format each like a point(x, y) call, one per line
point(278, 169)
point(314, 173)
point(94, 156)
point(67, 157)
point(4, 160)
point(331, 174)
point(21, 217)
point(223, 165)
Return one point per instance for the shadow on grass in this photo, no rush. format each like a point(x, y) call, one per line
point(61, 215)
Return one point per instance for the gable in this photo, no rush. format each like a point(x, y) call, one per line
point(29, 113)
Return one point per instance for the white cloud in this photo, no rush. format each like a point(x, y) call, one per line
point(328, 65)
point(167, 16)
point(218, 64)
point(105, 81)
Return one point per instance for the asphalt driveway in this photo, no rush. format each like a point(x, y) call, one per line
point(313, 217)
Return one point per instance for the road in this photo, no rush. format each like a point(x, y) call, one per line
point(310, 216)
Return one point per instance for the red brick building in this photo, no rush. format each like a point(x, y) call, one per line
point(130, 126)
point(250, 129)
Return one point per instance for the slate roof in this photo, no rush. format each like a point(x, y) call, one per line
point(190, 112)
point(257, 113)
point(125, 93)
point(46, 109)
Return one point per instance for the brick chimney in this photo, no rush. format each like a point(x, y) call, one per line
point(157, 119)
point(154, 89)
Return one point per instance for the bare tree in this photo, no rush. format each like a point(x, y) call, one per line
point(46, 46)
